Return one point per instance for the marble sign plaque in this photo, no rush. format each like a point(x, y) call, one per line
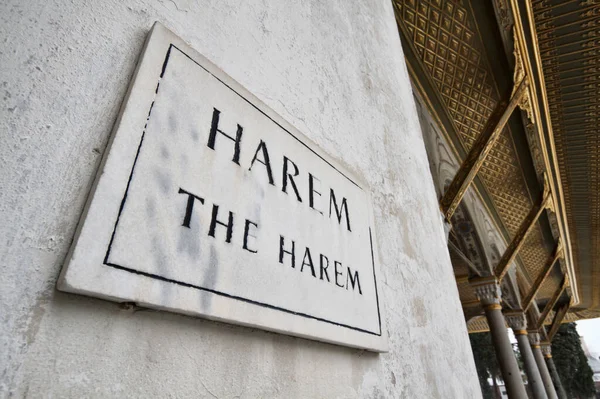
point(208, 203)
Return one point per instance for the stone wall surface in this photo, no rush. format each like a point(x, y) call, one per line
point(335, 70)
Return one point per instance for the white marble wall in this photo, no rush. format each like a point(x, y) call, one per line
point(335, 70)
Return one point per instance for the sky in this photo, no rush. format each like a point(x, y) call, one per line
point(590, 330)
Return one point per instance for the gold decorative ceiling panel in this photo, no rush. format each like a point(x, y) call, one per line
point(466, 293)
point(448, 46)
point(478, 324)
point(534, 254)
point(548, 289)
point(569, 43)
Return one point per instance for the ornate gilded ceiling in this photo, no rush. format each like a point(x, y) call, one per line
point(450, 50)
point(569, 43)
point(449, 60)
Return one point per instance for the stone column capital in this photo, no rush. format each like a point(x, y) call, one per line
point(546, 349)
point(534, 339)
point(488, 291)
point(517, 321)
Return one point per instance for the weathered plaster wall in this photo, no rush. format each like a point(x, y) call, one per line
point(335, 70)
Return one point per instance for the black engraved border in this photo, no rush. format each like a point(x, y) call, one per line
point(224, 294)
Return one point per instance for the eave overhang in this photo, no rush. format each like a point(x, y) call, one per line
point(505, 31)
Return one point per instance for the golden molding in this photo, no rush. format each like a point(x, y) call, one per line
point(550, 157)
point(569, 79)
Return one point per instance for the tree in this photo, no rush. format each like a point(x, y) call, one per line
point(485, 362)
point(571, 363)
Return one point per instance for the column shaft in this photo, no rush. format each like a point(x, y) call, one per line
point(539, 358)
point(534, 377)
point(504, 353)
point(560, 390)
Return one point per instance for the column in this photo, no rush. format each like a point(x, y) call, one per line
point(534, 339)
point(489, 294)
point(560, 390)
point(518, 323)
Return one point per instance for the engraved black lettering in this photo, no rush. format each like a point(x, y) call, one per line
point(283, 251)
point(212, 137)
point(247, 234)
point(337, 273)
point(308, 262)
point(323, 269)
point(214, 221)
point(353, 280)
point(265, 161)
point(190, 206)
point(289, 176)
point(338, 211)
point(312, 191)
